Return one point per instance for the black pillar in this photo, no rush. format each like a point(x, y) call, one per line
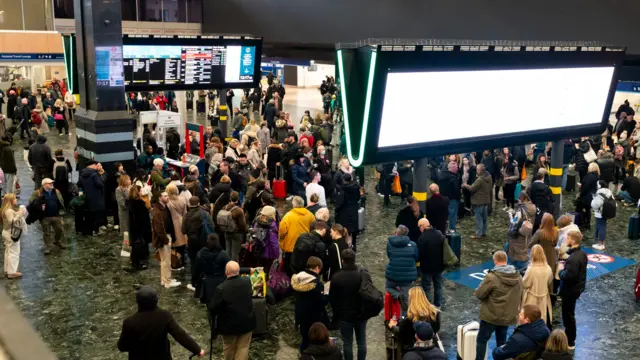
point(103, 126)
point(555, 175)
point(420, 181)
point(224, 115)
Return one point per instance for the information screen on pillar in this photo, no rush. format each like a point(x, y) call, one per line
point(199, 64)
point(496, 102)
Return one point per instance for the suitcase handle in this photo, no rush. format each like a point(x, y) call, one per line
point(281, 172)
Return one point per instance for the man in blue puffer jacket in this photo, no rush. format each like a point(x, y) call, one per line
point(529, 337)
point(401, 271)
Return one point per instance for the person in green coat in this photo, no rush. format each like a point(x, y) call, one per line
point(158, 182)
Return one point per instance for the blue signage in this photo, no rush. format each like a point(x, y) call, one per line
point(628, 86)
point(247, 62)
point(599, 264)
point(26, 56)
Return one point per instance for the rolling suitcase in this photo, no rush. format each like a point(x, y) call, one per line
point(260, 310)
point(634, 227)
point(467, 334)
point(571, 183)
point(455, 241)
point(361, 219)
point(391, 307)
point(637, 287)
point(279, 185)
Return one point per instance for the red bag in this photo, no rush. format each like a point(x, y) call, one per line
point(279, 186)
point(391, 307)
point(637, 287)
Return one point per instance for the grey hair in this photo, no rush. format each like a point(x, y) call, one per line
point(402, 230)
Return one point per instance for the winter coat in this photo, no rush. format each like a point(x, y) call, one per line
point(192, 225)
point(254, 158)
point(121, 200)
point(526, 338)
point(407, 218)
point(430, 251)
point(270, 114)
point(607, 167)
point(219, 197)
point(449, 184)
point(308, 244)
point(195, 188)
point(40, 154)
point(561, 246)
point(631, 184)
point(518, 249)
point(512, 176)
point(231, 153)
point(309, 307)
point(334, 256)
point(274, 156)
point(244, 171)
point(574, 274)
point(159, 236)
point(598, 201)
point(338, 177)
point(427, 353)
point(232, 307)
point(210, 272)
point(264, 136)
point(536, 283)
point(588, 188)
point(581, 163)
point(251, 130)
point(299, 176)
point(541, 196)
point(481, 190)
point(144, 334)
point(405, 173)
point(7, 159)
point(500, 294)
point(403, 255)
point(178, 209)
point(93, 187)
point(238, 217)
point(549, 247)
point(344, 294)
point(347, 206)
point(321, 352)
point(407, 335)
point(272, 248)
point(437, 212)
point(138, 214)
point(294, 223)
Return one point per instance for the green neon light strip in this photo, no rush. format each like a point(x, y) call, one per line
point(367, 107)
point(72, 67)
point(69, 69)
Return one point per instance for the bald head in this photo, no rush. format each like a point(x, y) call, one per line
point(434, 189)
point(423, 224)
point(232, 269)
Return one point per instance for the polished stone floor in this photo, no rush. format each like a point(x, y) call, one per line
point(77, 298)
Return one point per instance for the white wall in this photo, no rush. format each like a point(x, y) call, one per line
point(308, 78)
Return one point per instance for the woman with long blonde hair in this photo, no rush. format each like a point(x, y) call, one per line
point(177, 206)
point(59, 115)
point(10, 215)
point(537, 283)
point(420, 309)
point(557, 347)
point(547, 237)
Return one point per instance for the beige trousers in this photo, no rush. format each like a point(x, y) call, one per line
point(165, 264)
point(11, 253)
point(236, 347)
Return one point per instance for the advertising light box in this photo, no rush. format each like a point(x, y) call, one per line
point(190, 63)
point(408, 105)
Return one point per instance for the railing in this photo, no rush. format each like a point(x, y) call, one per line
point(16, 331)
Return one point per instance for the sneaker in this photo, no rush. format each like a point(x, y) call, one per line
point(572, 347)
point(69, 134)
point(190, 287)
point(506, 208)
point(109, 226)
point(116, 227)
point(103, 228)
point(381, 195)
point(290, 197)
point(476, 237)
point(172, 284)
point(15, 275)
point(60, 134)
point(178, 269)
point(598, 247)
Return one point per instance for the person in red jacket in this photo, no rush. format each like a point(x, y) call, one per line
point(162, 101)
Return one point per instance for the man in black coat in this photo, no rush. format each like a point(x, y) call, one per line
point(345, 301)
point(424, 347)
point(437, 209)
point(310, 299)
point(309, 245)
point(270, 113)
point(232, 312)
point(192, 224)
point(449, 183)
point(40, 159)
point(573, 274)
point(629, 192)
point(409, 217)
point(144, 334)
point(430, 251)
point(541, 196)
point(93, 185)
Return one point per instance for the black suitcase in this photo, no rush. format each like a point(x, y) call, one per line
point(260, 310)
point(571, 183)
point(634, 227)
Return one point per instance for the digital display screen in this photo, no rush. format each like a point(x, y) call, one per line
point(202, 66)
point(428, 106)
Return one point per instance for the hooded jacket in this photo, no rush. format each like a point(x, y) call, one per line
point(40, 154)
point(500, 293)
point(525, 339)
point(280, 130)
point(449, 184)
point(294, 223)
point(481, 189)
point(93, 186)
point(598, 201)
point(144, 334)
point(309, 298)
point(407, 218)
point(607, 167)
point(403, 255)
point(271, 249)
point(192, 225)
point(321, 352)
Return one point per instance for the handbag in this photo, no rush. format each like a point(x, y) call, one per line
point(590, 156)
point(58, 117)
point(448, 256)
point(396, 188)
point(176, 259)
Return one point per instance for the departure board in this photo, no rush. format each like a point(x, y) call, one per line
point(189, 66)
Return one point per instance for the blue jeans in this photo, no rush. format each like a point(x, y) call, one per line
point(482, 216)
point(436, 279)
point(453, 213)
point(624, 196)
point(565, 168)
point(346, 331)
point(484, 334)
point(601, 229)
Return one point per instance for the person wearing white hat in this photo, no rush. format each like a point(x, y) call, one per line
point(50, 219)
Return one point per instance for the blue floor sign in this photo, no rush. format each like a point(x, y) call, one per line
point(599, 264)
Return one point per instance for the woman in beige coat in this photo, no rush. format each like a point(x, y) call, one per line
point(537, 283)
point(178, 209)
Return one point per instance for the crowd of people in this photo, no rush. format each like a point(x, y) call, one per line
point(230, 224)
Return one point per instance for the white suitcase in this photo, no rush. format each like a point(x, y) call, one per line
point(361, 219)
point(467, 334)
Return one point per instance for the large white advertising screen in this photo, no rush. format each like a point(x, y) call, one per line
point(423, 107)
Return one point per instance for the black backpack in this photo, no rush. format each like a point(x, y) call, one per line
point(371, 299)
point(258, 240)
point(302, 251)
point(61, 173)
point(609, 207)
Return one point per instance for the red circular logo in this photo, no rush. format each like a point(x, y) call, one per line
point(600, 258)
